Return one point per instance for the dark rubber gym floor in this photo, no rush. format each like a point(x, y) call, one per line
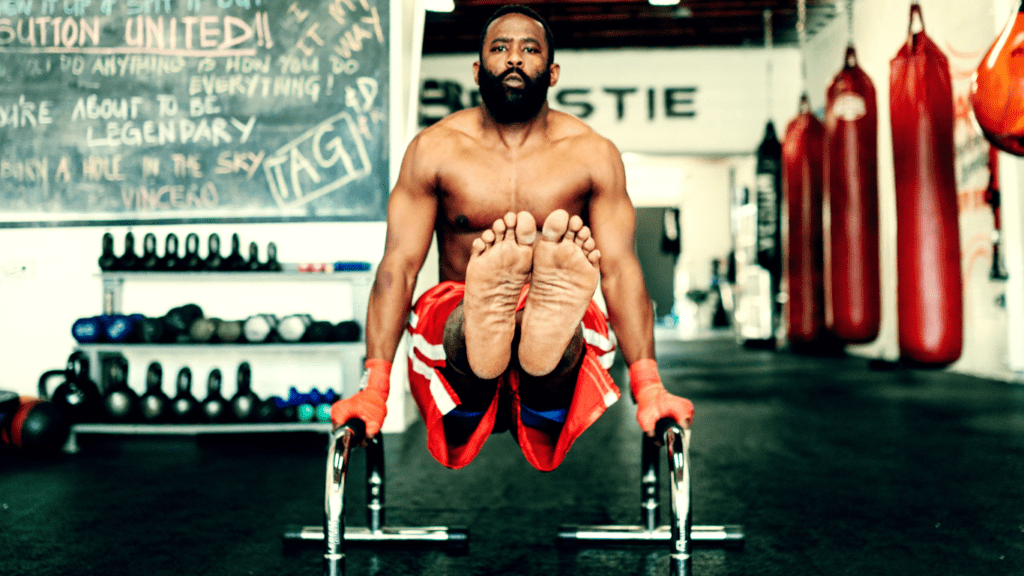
point(832, 468)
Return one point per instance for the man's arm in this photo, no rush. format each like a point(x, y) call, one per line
point(412, 209)
point(613, 223)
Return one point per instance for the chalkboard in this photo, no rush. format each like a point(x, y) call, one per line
point(160, 111)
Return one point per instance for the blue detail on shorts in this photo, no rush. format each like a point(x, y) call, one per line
point(545, 420)
point(464, 414)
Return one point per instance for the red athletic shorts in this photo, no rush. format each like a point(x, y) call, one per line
point(595, 390)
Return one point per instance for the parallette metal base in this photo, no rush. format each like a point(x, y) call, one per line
point(386, 535)
point(730, 535)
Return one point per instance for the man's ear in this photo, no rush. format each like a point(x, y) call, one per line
point(555, 70)
point(476, 73)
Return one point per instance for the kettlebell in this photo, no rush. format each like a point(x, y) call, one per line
point(129, 260)
point(170, 260)
point(35, 427)
point(192, 261)
point(268, 410)
point(272, 265)
point(121, 403)
point(254, 264)
point(234, 262)
point(155, 405)
point(108, 260)
point(149, 260)
point(214, 408)
point(184, 406)
point(77, 397)
point(214, 261)
point(244, 403)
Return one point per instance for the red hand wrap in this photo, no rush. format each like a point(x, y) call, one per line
point(370, 403)
point(653, 402)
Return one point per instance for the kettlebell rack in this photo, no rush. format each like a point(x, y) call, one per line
point(348, 354)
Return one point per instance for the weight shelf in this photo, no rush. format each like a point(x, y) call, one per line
point(194, 429)
point(71, 446)
point(277, 346)
point(361, 276)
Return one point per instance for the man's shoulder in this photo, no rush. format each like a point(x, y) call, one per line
point(576, 133)
point(457, 125)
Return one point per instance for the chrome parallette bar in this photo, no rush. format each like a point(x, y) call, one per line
point(680, 533)
point(333, 533)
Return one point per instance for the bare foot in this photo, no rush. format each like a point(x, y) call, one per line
point(565, 275)
point(499, 267)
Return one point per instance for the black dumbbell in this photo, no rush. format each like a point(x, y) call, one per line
point(346, 331)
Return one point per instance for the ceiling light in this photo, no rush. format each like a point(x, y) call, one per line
point(441, 5)
point(663, 2)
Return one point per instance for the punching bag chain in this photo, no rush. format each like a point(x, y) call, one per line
point(801, 31)
point(849, 21)
point(767, 15)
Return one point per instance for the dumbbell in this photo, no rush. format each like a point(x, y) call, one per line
point(292, 328)
point(260, 328)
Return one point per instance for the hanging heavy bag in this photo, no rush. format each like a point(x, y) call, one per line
point(929, 283)
point(997, 87)
point(769, 198)
point(802, 183)
point(853, 310)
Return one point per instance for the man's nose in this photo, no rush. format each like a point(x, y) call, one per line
point(514, 58)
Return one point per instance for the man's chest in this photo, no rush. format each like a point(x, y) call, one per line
point(482, 187)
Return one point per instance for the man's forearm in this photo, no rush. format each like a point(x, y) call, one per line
point(388, 312)
point(629, 311)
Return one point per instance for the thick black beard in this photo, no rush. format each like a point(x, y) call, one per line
point(513, 105)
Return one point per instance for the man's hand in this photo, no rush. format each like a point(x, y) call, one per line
point(653, 402)
point(370, 403)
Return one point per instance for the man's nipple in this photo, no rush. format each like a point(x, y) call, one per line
point(461, 221)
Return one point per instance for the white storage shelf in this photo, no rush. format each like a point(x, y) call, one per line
point(293, 356)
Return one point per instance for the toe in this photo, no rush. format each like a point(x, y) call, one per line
point(582, 236)
point(478, 246)
point(555, 225)
point(488, 236)
point(589, 245)
point(526, 228)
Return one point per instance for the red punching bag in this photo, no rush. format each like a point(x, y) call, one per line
point(997, 87)
point(929, 283)
point(802, 183)
point(853, 310)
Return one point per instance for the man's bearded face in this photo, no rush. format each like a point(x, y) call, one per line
point(512, 101)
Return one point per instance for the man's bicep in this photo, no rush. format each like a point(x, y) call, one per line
point(612, 217)
point(412, 209)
